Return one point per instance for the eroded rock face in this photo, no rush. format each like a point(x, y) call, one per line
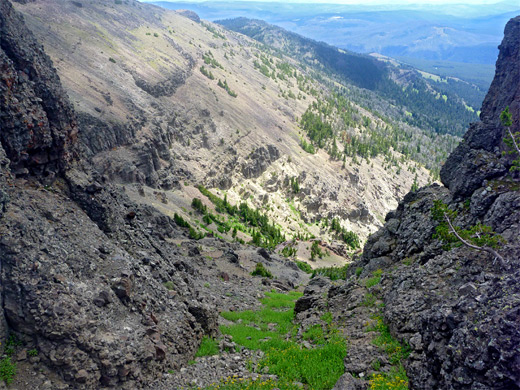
point(38, 125)
point(259, 161)
point(459, 310)
point(479, 157)
point(94, 311)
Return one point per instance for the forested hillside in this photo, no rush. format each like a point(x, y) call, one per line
point(425, 103)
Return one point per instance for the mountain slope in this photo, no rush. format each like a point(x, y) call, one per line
point(405, 87)
point(145, 84)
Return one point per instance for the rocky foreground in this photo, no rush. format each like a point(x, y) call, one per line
point(114, 294)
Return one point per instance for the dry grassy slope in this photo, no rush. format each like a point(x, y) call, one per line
point(200, 126)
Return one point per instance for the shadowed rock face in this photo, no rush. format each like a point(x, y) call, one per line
point(479, 156)
point(458, 309)
point(38, 125)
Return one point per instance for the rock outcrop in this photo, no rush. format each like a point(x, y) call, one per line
point(259, 161)
point(38, 126)
point(458, 309)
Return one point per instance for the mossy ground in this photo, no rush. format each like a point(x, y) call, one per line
point(271, 330)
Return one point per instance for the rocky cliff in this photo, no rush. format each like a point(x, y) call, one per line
point(458, 310)
point(107, 292)
point(38, 126)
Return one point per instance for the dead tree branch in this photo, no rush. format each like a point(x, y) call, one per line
point(487, 249)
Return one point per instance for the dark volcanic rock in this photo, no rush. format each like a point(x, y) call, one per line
point(38, 125)
point(479, 156)
point(458, 309)
point(88, 278)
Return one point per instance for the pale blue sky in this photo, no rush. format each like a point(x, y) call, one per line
point(362, 2)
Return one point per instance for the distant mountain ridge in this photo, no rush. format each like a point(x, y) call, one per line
point(403, 85)
point(458, 33)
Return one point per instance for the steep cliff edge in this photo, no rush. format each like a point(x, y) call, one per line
point(38, 126)
point(479, 157)
point(458, 310)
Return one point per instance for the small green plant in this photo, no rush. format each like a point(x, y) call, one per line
point(290, 251)
point(169, 285)
point(197, 204)
point(376, 364)
point(327, 318)
point(304, 266)
point(10, 344)
point(225, 86)
point(316, 250)
point(195, 234)
point(374, 280)
point(207, 347)
point(314, 334)
point(32, 352)
point(7, 370)
point(260, 270)
point(479, 237)
point(369, 300)
point(295, 185)
point(415, 185)
point(396, 351)
point(112, 60)
point(307, 146)
point(395, 379)
point(359, 270)
point(207, 73)
point(180, 221)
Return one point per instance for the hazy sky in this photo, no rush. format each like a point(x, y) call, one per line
point(361, 2)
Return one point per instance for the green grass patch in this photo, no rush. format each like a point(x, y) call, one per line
point(279, 300)
point(320, 368)
point(314, 334)
point(271, 330)
point(207, 347)
point(393, 348)
point(396, 379)
point(374, 280)
point(234, 383)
